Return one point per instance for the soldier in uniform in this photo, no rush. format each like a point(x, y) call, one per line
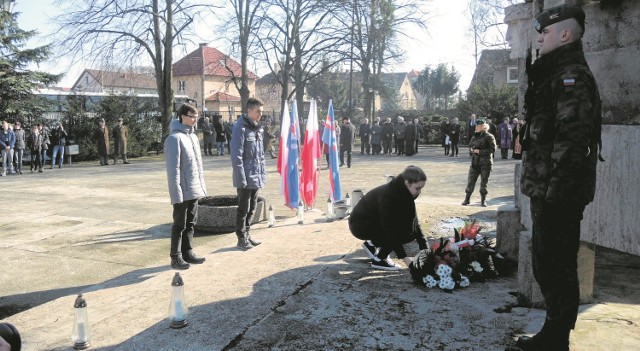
point(481, 148)
point(561, 141)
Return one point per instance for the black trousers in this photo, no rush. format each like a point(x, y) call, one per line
point(385, 242)
point(386, 145)
point(247, 201)
point(347, 149)
point(185, 215)
point(365, 146)
point(454, 148)
point(555, 242)
point(400, 146)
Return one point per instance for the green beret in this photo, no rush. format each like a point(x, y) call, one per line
point(557, 14)
point(480, 121)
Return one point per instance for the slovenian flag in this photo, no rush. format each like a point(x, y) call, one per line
point(310, 154)
point(329, 138)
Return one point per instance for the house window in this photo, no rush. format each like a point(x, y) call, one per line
point(181, 85)
point(512, 75)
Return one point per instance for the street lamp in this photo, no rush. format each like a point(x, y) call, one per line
point(7, 5)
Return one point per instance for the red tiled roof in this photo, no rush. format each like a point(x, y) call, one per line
point(222, 97)
point(215, 64)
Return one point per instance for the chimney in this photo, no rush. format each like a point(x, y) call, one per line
point(203, 45)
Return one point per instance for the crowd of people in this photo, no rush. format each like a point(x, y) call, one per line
point(42, 143)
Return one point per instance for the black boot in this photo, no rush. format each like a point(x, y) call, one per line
point(177, 262)
point(243, 243)
point(467, 198)
point(191, 257)
point(253, 241)
point(482, 198)
point(545, 340)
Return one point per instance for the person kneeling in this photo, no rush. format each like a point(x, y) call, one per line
point(386, 219)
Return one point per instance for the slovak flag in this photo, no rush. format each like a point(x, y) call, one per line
point(310, 154)
point(329, 138)
point(288, 160)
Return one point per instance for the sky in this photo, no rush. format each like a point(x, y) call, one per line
point(445, 41)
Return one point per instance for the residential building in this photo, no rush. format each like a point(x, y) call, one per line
point(206, 74)
point(496, 68)
point(115, 82)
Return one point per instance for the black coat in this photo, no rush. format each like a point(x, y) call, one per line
point(388, 213)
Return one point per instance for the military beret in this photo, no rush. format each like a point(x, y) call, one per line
point(557, 14)
point(480, 121)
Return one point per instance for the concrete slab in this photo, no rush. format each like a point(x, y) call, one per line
point(306, 287)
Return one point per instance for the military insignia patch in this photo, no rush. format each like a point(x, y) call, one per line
point(569, 82)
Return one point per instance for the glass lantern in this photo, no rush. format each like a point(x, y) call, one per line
point(272, 217)
point(178, 309)
point(81, 330)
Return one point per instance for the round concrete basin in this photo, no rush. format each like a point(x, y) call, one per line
point(217, 214)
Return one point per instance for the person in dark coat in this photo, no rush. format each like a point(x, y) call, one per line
point(400, 133)
point(249, 169)
point(386, 219)
point(420, 131)
point(471, 127)
point(410, 135)
point(101, 136)
point(347, 137)
point(209, 135)
point(376, 137)
point(34, 142)
point(454, 135)
point(387, 136)
point(120, 134)
point(446, 138)
point(365, 137)
point(58, 140)
point(219, 137)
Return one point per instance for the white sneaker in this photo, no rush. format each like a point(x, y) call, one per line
point(387, 264)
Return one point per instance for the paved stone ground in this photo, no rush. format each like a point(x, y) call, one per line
point(104, 231)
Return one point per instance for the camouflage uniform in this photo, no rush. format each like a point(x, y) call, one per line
point(481, 163)
point(559, 174)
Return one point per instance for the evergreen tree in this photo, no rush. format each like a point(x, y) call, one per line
point(17, 82)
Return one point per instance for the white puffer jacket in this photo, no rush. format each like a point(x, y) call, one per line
point(185, 176)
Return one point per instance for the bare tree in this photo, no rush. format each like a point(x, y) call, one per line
point(486, 24)
point(136, 31)
point(376, 26)
point(241, 28)
point(304, 36)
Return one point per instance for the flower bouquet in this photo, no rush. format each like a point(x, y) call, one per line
point(455, 262)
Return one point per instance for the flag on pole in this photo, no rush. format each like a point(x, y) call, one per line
point(283, 151)
point(293, 166)
point(310, 155)
point(284, 160)
point(329, 138)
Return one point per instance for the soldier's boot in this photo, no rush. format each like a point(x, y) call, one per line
point(546, 339)
point(482, 200)
point(126, 160)
point(467, 198)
